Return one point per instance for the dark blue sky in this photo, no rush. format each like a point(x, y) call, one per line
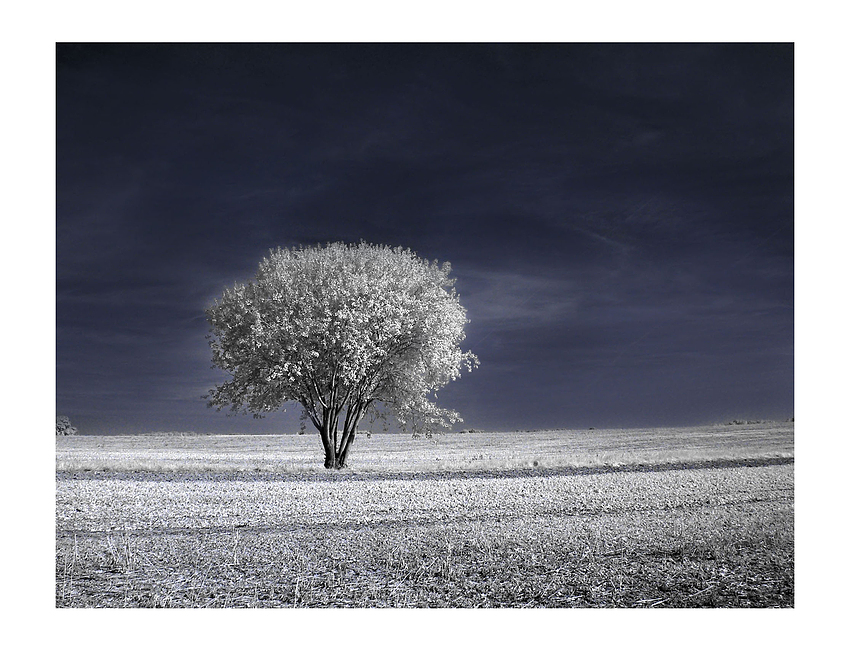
point(619, 217)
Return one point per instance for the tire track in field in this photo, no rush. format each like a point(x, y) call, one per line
point(349, 476)
point(402, 523)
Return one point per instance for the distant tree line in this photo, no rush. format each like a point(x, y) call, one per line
point(740, 421)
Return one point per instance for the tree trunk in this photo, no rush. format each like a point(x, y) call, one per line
point(328, 445)
point(335, 457)
point(343, 454)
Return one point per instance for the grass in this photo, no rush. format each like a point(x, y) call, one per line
point(394, 452)
point(427, 531)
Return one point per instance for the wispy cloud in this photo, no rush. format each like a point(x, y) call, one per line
point(507, 299)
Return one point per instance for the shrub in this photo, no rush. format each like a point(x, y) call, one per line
point(64, 427)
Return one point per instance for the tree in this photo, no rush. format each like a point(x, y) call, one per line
point(64, 427)
point(343, 330)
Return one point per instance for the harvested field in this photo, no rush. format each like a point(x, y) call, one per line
point(672, 533)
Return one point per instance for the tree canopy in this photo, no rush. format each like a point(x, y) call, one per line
point(343, 330)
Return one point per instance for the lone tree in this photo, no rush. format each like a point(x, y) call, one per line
point(64, 427)
point(343, 330)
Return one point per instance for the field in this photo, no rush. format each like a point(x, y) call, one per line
point(665, 518)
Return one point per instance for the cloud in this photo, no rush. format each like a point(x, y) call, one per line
point(508, 299)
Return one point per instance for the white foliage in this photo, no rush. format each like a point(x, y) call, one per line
point(338, 329)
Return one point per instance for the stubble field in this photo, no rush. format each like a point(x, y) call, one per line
point(695, 517)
